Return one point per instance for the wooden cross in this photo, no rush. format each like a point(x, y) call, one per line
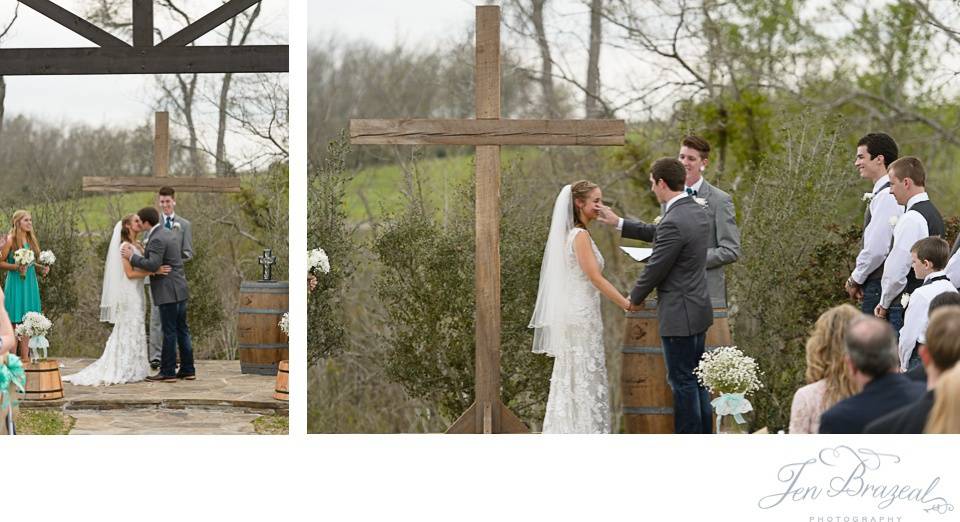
point(487, 132)
point(161, 169)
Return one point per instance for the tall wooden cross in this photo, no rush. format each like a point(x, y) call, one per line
point(487, 132)
point(161, 170)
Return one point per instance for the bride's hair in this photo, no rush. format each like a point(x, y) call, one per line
point(125, 234)
point(579, 192)
point(21, 236)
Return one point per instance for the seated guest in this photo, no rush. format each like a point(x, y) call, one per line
point(939, 354)
point(945, 299)
point(827, 378)
point(871, 357)
point(945, 415)
point(929, 256)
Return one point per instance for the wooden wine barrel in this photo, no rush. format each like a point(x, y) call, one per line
point(282, 391)
point(647, 399)
point(261, 344)
point(43, 380)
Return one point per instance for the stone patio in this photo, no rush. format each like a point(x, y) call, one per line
point(220, 401)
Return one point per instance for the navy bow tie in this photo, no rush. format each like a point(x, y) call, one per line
point(691, 192)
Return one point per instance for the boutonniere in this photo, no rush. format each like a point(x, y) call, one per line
point(656, 220)
point(905, 300)
point(867, 196)
point(700, 201)
point(893, 221)
point(176, 226)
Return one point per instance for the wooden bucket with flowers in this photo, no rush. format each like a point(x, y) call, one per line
point(261, 343)
point(43, 375)
point(647, 399)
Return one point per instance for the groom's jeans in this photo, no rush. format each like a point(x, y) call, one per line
point(173, 318)
point(692, 412)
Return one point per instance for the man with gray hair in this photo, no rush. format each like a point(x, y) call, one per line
point(873, 363)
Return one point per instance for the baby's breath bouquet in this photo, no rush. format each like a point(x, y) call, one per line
point(47, 258)
point(317, 261)
point(731, 374)
point(35, 326)
point(24, 257)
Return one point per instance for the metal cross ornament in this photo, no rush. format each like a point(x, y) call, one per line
point(267, 260)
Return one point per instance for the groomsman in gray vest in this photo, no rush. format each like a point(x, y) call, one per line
point(182, 230)
point(875, 152)
point(723, 238)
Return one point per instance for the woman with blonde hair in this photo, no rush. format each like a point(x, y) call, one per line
point(945, 415)
point(22, 291)
point(827, 378)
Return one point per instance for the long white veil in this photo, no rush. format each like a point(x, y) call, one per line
point(550, 314)
point(113, 278)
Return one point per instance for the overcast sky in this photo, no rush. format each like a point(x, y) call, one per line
point(114, 100)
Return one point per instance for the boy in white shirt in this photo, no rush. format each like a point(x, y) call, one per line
point(929, 256)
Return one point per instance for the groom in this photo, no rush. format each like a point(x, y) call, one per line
point(169, 293)
point(677, 269)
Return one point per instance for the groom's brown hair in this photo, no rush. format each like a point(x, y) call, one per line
point(149, 215)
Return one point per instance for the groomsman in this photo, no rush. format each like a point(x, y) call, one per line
point(723, 240)
point(921, 219)
point(182, 229)
point(875, 153)
point(677, 269)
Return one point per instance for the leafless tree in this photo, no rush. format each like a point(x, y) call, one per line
point(3, 83)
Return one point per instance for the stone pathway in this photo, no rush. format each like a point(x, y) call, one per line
point(221, 401)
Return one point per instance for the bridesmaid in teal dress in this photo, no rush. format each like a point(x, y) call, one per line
point(22, 292)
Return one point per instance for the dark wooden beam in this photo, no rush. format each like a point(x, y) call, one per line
point(208, 23)
point(153, 184)
point(143, 23)
point(75, 23)
point(144, 60)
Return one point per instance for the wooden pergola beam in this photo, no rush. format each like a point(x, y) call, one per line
point(207, 23)
point(143, 23)
point(144, 60)
point(487, 132)
point(153, 184)
point(75, 23)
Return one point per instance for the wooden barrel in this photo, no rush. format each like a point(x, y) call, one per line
point(647, 399)
point(282, 391)
point(43, 380)
point(261, 344)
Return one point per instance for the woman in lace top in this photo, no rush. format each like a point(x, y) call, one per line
point(826, 370)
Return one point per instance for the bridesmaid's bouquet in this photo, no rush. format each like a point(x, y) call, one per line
point(731, 374)
point(317, 261)
point(24, 257)
point(47, 258)
point(35, 326)
point(284, 324)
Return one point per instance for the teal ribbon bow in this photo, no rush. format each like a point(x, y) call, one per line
point(11, 373)
point(731, 404)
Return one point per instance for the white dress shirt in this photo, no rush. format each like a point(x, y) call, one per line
point(917, 313)
point(877, 235)
point(695, 186)
point(953, 269)
point(911, 227)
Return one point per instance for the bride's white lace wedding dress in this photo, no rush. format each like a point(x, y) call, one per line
point(124, 357)
point(569, 328)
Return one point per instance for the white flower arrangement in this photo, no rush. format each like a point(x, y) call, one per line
point(867, 196)
point(47, 258)
point(700, 201)
point(904, 299)
point(176, 226)
point(893, 220)
point(317, 261)
point(35, 326)
point(24, 257)
point(656, 220)
point(284, 324)
point(728, 370)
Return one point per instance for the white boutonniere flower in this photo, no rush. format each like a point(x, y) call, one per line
point(867, 196)
point(176, 226)
point(893, 221)
point(656, 220)
point(700, 201)
point(905, 300)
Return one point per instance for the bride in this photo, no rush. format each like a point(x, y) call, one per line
point(567, 315)
point(124, 358)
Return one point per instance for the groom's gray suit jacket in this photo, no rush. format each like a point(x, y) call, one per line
point(677, 268)
point(163, 248)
